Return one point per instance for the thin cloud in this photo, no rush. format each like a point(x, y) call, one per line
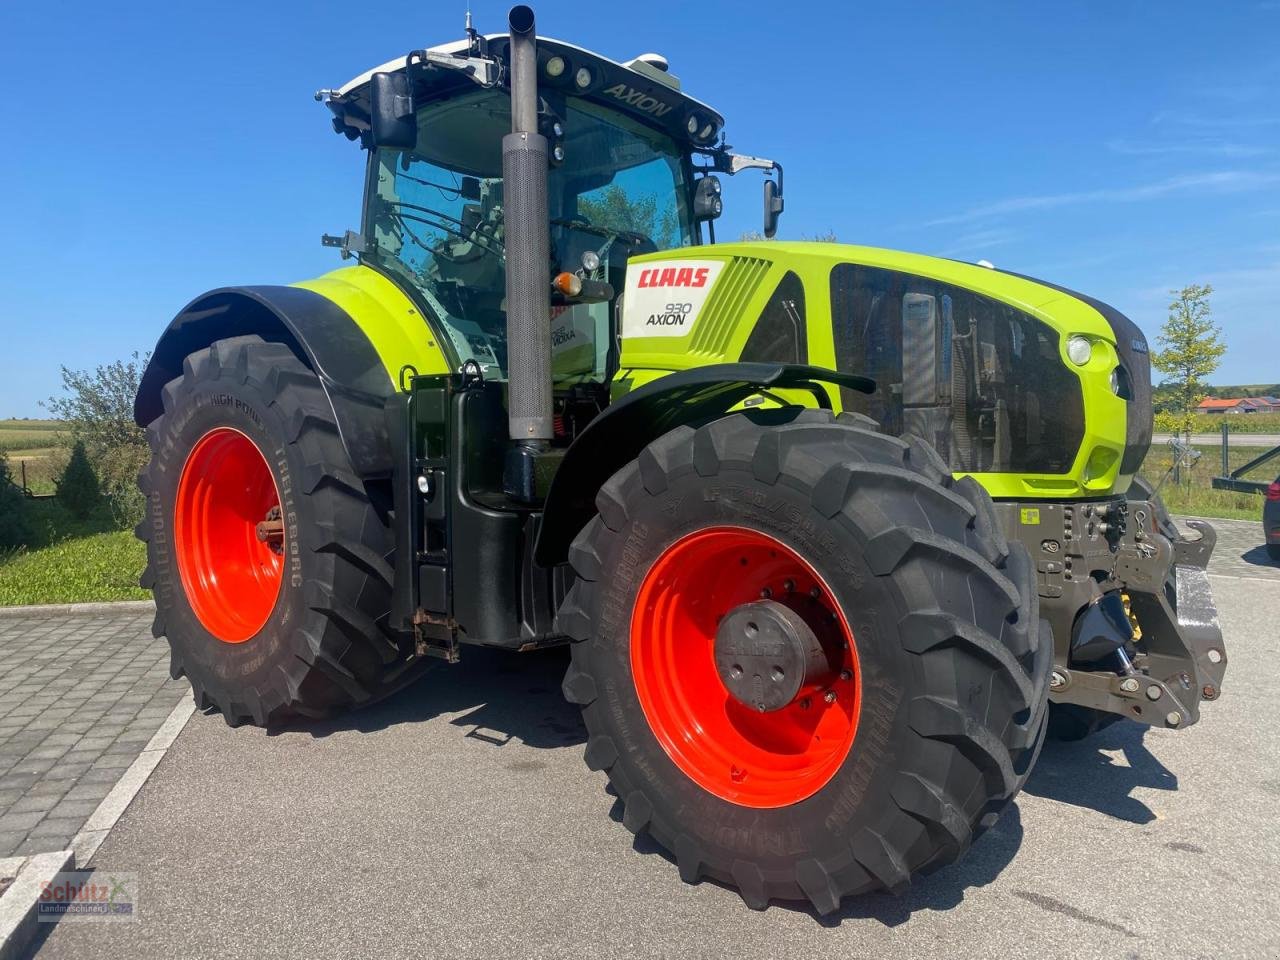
point(1224, 181)
point(1214, 122)
point(1216, 148)
point(977, 241)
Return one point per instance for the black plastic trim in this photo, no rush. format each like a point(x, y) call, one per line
point(617, 436)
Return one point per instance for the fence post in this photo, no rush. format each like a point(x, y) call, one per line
point(1226, 434)
point(23, 465)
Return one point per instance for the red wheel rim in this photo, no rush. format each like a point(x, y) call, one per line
point(231, 577)
point(753, 759)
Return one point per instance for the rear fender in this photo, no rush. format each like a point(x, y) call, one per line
point(321, 333)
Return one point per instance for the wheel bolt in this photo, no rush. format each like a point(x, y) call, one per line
point(815, 593)
point(788, 585)
point(1153, 692)
point(846, 674)
point(829, 696)
point(766, 593)
point(804, 703)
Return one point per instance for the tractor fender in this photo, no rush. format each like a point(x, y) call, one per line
point(321, 333)
point(616, 437)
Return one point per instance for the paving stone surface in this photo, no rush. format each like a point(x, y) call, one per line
point(79, 699)
point(1241, 551)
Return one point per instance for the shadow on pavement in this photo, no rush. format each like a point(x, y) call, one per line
point(1081, 774)
point(1259, 557)
point(942, 890)
point(500, 695)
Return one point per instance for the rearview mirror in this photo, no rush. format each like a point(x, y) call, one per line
point(772, 207)
point(392, 121)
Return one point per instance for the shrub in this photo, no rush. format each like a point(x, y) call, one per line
point(78, 488)
point(15, 519)
point(98, 407)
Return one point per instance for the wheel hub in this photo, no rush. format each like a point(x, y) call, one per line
point(766, 654)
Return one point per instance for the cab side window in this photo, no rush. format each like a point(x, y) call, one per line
point(779, 334)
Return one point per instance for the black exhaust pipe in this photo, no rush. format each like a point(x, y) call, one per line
point(524, 175)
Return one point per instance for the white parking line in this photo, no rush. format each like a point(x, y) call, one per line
point(115, 803)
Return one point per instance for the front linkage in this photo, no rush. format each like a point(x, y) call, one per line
point(1136, 631)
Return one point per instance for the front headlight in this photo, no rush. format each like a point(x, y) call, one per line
point(1079, 350)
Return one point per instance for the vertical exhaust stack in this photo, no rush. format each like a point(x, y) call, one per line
point(524, 175)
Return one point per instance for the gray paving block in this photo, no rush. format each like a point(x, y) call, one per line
point(12, 822)
point(40, 805)
point(74, 809)
point(88, 791)
point(43, 787)
point(9, 843)
point(112, 762)
point(107, 775)
point(46, 753)
point(64, 771)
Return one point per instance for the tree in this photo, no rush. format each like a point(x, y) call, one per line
point(78, 488)
point(829, 236)
point(98, 408)
point(612, 209)
point(15, 523)
point(1190, 350)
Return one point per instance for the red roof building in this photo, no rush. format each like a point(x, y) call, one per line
point(1239, 405)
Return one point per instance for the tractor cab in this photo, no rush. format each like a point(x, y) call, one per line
point(628, 158)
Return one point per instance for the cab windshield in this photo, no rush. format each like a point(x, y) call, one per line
point(434, 220)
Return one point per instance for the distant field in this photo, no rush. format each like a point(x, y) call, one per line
point(1196, 497)
point(1240, 422)
point(30, 444)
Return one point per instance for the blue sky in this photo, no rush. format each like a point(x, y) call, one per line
point(156, 150)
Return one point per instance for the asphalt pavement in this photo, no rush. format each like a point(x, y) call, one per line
point(459, 820)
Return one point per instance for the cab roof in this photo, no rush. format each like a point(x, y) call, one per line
point(637, 88)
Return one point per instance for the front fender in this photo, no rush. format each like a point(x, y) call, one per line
point(616, 436)
point(322, 334)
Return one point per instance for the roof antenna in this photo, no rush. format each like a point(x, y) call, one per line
point(470, 30)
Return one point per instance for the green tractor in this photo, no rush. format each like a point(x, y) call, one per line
point(834, 534)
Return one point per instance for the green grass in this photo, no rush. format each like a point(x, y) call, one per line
point(72, 561)
point(1195, 496)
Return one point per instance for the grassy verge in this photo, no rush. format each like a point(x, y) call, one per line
point(72, 561)
point(1196, 496)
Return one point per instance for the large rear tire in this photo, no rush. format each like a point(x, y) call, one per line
point(926, 727)
point(293, 624)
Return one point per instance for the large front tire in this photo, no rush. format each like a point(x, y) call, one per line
point(931, 734)
point(293, 624)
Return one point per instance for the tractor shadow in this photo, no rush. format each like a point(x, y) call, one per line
point(1259, 556)
point(499, 696)
point(1086, 774)
point(939, 891)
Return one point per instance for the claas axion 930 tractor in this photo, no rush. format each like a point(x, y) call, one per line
point(834, 533)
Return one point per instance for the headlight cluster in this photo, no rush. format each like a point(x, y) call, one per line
point(557, 67)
